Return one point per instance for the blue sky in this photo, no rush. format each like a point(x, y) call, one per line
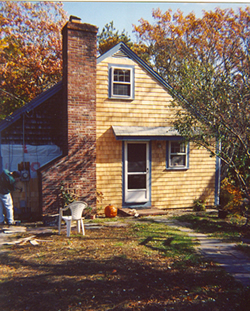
point(124, 14)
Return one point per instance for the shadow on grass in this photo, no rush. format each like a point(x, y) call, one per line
point(86, 273)
point(115, 284)
point(210, 224)
point(169, 242)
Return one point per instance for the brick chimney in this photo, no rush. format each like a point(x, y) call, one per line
point(79, 77)
point(77, 169)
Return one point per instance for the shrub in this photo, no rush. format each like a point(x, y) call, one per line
point(199, 205)
point(66, 195)
point(230, 197)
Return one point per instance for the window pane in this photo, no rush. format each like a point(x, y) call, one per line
point(178, 160)
point(136, 181)
point(127, 76)
point(121, 75)
point(121, 89)
point(136, 158)
point(116, 75)
point(177, 147)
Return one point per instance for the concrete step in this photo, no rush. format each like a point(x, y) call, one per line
point(126, 212)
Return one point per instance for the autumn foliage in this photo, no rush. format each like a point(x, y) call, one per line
point(207, 61)
point(30, 51)
point(231, 197)
point(174, 37)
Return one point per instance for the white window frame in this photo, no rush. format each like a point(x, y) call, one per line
point(112, 82)
point(170, 153)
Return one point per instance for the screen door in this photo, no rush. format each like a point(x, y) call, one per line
point(136, 172)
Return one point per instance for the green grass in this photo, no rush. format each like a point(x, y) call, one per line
point(230, 230)
point(169, 242)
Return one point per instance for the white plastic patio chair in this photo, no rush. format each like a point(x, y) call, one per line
point(76, 208)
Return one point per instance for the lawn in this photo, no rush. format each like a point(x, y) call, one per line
point(123, 265)
point(230, 229)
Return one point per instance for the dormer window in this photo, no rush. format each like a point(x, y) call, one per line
point(121, 82)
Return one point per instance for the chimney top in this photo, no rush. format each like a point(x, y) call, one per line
point(75, 23)
point(74, 19)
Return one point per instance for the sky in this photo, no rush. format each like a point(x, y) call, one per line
point(126, 13)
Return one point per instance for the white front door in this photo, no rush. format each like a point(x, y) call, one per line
point(136, 172)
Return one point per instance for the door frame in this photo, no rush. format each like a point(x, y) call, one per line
point(124, 174)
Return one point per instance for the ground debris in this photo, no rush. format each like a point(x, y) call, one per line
point(145, 265)
point(20, 241)
point(32, 239)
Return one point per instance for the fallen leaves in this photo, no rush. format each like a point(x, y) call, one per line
point(88, 273)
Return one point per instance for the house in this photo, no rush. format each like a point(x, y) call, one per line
point(107, 127)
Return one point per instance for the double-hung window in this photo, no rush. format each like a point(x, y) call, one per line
point(177, 155)
point(121, 82)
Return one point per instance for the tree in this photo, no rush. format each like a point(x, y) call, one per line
point(109, 37)
point(207, 61)
point(30, 51)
